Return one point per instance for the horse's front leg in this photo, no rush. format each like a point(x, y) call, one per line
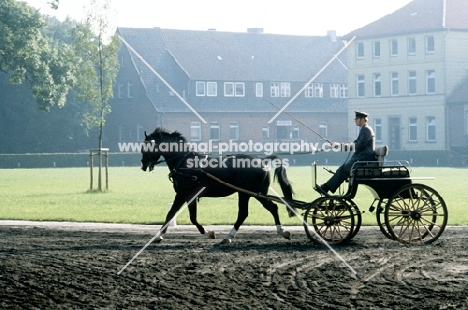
point(193, 218)
point(242, 214)
point(176, 205)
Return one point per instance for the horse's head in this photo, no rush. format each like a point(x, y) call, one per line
point(161, 143)
point(149, 153)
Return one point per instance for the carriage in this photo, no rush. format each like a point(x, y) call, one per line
point(406, 211)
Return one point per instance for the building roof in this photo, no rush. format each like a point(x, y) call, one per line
point(241, 57)
point(418, 16)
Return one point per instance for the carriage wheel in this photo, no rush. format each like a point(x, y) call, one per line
point(416, 213)
point(380, 212)
point(357, 218)
point(329, 220)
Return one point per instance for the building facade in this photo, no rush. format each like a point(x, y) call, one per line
point(403, 70)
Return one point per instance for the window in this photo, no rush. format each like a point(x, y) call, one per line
point(228, 89)
point(285, 89)
point(431, 129)
point(266, 132)
point(430, 45)
point(234, 131)
point(200, 88)
point(393, 48)
point(240, 89)
point(334, 90)
point(360, 85)
point(309, 90)
point(376, 49)
point(378, 129)
point(295, 132)
point(211, 89)
point(359, 50)
point(377, 85)
point(318, 90)
point(274, 89)
point(259, 89)
point(413, 129)
point(344, 91)
point(214, 131)
point(394, 84)
point(412, 83)
point(129, 90)
point(430, 82)
point(411, 46)
point(323, 129)
point(195, 131)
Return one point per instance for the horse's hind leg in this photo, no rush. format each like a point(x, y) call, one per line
point(193, 218)
point(273, 208)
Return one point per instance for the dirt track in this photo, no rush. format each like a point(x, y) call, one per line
point(76, 267)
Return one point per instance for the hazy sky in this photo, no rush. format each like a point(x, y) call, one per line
point(299, 17)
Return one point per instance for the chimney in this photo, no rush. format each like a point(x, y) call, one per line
point(254, 30)
point(332, 35)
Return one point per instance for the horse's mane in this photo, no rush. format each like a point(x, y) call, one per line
point(162, 132)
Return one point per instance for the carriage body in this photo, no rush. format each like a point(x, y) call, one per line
point(405, 211)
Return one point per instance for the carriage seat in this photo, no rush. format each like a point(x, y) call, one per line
point(380, 152)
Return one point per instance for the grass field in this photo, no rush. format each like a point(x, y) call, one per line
point(138, 197)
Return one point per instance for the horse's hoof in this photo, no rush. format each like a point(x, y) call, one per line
point(158, 240)
point(210, 234)
point(287, 235)
point(226, 241)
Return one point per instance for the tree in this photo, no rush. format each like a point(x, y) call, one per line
point(47, 66)
point(97, 46)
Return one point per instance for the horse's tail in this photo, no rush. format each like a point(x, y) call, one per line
point(286, 188)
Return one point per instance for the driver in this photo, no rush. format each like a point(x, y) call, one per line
point(364, 147)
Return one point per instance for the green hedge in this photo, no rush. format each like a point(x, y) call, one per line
point(64, 160)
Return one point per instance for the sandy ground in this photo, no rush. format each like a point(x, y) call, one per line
point(75, 266)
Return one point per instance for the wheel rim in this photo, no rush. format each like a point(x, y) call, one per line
point(329, 220)
point(416, 214)
point(380, 215)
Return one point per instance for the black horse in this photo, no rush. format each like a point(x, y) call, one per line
point(191, 171)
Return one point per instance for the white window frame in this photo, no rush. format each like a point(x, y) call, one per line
point(234, 131)
point(377, 82)
point(411, 46)
point(323, 129)
point(215, 131)
point(239, 89)
point(431, 128)
point(376, 50)
point(359, 50)
point(211, 89)
point(266, 132)
point(394, 84)
point(120, 90)
point(228, 89)
point(334, 90)
point(318, 90)
point(195, 131)
point(394, 47)
point(378, 129)
point(199, 86)
point(309, 90)
point(274, 89)
point(129, 90)
point(295, 132)
point(430, 45)
point(259, 89)
point(430, 82)
point(285, 89)
point(344, 91)
point(360, 83)
point(412, 81)
point(412, 126)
